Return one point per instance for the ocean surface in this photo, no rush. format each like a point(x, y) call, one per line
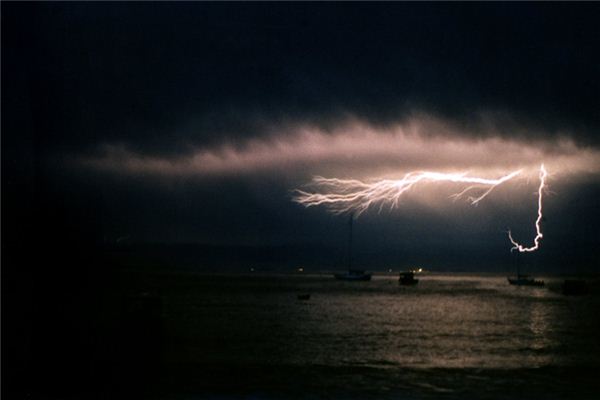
point(450, 336)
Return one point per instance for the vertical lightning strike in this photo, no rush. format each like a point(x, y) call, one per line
point(538, 221)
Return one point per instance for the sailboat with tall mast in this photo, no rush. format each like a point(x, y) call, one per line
point(352, 274)
point(521, 279)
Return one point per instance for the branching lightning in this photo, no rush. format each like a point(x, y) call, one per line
point(354, 196)
point(349, 195)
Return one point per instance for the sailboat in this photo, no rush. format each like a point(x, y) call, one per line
point(407, 278)
point(521, 279)
point(352, 274)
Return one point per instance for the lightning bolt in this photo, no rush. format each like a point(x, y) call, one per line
point(349, 195)
point(538, 221)
point(354, 196)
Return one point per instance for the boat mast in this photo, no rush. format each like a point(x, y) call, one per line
point(350, 242)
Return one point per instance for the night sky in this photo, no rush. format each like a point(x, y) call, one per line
point(188, 126)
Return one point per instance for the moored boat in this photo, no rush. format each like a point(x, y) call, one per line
point(352, 274)
point(574, 287)
point(524, 280)
point(407, 278)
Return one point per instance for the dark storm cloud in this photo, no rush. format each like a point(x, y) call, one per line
point(165, 78)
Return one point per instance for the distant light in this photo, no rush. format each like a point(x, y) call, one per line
point(420, 269)
point(251, 269)
point(390, 270)
point(300, 269)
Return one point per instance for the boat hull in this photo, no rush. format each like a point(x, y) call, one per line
point(353, 277)
point(408, 279)
point(408, 282)
point(525, 282)
point(574, 287)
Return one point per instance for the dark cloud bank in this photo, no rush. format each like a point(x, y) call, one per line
point(162, 77)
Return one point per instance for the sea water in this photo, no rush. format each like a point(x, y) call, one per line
point(450, 336)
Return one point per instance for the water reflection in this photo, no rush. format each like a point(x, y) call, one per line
point(445, 322)
point(539, 323)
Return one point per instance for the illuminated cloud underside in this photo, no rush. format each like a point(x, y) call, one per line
point(357, 151)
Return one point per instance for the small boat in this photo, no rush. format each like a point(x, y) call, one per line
point(352, 274)
point(524, 280)
point(304, 296)
point(574, 287)
point(408, 278)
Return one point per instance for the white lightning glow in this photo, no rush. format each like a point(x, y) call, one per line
point(349, 195)
point(538, 221)
point(355, 196)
